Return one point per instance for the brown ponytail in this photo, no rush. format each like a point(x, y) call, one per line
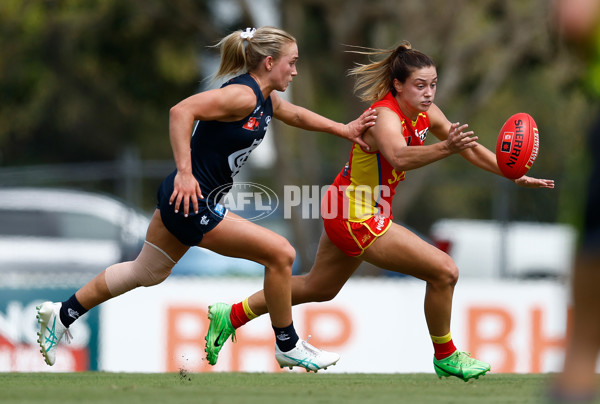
point(374, 80)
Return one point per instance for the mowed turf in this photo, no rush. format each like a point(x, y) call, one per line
point(266, 388)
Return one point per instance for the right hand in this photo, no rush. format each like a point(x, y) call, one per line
point(355, 130)
point(458, 140)
point(185, 189)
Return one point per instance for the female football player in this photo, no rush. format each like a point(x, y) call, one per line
point(232, 121)
point(356, 209)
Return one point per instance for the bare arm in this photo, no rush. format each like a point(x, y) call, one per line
point(303, 118)
point(387, 137)
point(479, 155)
point(229, 103)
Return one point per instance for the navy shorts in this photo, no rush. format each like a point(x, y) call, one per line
point(191, 229)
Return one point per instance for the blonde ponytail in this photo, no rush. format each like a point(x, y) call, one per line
point(244, 50)
point(233, 57)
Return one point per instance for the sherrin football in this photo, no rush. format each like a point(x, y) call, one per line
point(518, 145)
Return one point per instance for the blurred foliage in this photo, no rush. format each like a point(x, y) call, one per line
point(82, 81)
point(494, 58)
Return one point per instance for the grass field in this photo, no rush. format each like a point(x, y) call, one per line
point(266, 388)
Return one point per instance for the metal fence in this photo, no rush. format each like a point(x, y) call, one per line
point(127, 172)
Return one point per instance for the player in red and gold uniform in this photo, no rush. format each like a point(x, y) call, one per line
point(357, 208)
point(357, 213)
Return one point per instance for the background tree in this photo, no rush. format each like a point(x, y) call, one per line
point(494, 58)
point(82, 81)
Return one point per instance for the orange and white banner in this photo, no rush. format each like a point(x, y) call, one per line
point(377, 326)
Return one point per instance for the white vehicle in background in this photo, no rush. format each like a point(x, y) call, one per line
point(64, 234)
point(55, 236)
point(490, 249)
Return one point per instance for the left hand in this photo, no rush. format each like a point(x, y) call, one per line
point(355, 129)
point(529, 182)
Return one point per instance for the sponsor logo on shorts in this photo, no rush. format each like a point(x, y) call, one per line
point(219, 209)
point(366, 238)
point(380, 220)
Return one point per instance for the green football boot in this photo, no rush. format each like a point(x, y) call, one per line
point(461, 365)
point(219, 330)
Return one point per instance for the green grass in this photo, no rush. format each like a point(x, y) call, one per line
point(266, 388)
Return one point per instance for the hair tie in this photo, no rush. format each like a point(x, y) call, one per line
point(248, 34)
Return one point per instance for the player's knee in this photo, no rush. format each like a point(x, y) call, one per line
point(155, 274)
point(448, 274)
point(153, 265)
point(282, 256)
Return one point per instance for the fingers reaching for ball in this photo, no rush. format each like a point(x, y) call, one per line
point(459, 139)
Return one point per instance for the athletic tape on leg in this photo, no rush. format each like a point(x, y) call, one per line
point(151, 267)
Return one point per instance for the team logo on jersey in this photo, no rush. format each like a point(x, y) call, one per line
point(236, 160)
point(346, 169)
point(253, 122)
point(422, 134)
point(397, 177)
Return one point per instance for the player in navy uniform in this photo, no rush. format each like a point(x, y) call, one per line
point(232, 121)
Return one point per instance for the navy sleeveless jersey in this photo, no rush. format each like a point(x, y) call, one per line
point(220, 149)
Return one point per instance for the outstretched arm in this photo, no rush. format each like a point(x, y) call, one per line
point(479, 155)
point(303, 118)
point(482, 157)
point(387, 138)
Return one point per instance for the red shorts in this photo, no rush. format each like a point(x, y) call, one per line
point(353, 238)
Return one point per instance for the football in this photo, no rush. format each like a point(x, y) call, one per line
point(518, 145)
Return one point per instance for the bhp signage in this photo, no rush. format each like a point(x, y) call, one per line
point(516, 326)
point(186, 329)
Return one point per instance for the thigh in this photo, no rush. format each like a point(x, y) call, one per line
point(161, 237)
point(400, 250)
point(240, 238)
point(332, 268)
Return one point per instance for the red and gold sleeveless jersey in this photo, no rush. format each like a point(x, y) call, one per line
point(367, 183)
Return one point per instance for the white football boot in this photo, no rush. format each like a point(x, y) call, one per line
point(51, 331)
point(307, 356)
